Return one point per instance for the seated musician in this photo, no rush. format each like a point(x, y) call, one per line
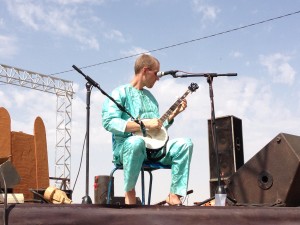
point(130, 150)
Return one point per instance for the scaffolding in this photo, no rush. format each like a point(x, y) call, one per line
point(64, 93)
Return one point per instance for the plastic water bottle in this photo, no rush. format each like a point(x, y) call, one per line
point(220, 196)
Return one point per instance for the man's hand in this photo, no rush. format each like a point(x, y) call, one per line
point(152, 124)
point(178, 110)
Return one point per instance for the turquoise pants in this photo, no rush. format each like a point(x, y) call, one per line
point(178, 155)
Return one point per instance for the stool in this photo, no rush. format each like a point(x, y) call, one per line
point(147, 166)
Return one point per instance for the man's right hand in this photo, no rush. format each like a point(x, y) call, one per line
point(152, 124)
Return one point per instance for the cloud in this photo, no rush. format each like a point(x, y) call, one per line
point(8, 46)
point(279, 68)
point(146, 2)
point(236, 54)
point(115, 35)
point(209, 12)
point(68, 2)
point(2, 22)
point(58, 20)
point(4, 100)
point(134, 51)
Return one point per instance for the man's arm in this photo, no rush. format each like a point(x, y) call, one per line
point(150, 124)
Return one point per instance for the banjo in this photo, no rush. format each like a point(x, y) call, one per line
point(157, 139)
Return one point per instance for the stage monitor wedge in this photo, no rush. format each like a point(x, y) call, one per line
point(270, 177)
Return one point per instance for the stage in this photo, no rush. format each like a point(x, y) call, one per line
point(50, 214)
point(270, 178)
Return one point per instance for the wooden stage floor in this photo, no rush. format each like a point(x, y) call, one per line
point(50, 214)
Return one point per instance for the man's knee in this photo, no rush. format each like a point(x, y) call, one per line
point(136, 144)
point(186, 143)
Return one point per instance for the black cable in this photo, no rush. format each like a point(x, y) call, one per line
point(185, 42)
point(5, 199)
point(80, 163)
point(43, 200)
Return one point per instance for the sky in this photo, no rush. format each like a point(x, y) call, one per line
point(104, 37)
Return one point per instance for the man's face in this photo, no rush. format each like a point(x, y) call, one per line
point(151, 76)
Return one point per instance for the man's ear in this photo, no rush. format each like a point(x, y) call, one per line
point(145, 69)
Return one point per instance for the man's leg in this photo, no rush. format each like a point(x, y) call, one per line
point(132, 155)
point(179, 154)
point(130, 197)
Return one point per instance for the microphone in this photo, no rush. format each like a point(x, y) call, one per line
point(171, 72)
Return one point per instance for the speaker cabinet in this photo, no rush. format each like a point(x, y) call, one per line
point(270, 177)
point(230, 149)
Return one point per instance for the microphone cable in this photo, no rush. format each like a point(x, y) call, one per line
point(80, 163)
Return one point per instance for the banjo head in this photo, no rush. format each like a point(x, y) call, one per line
point(155, 139)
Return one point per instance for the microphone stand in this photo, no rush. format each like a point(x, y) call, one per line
point(87, 199)
point(91, 83)
point(220, 190)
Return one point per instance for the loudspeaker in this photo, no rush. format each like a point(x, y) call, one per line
point(9, 176)
point(230, 149)
point(270, 177)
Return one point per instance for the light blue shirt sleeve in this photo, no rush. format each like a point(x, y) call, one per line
point(113, 119)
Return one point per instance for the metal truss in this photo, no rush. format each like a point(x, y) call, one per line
point(64, 93)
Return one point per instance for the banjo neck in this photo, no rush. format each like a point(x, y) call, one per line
point(157, 139)
point(174, 106)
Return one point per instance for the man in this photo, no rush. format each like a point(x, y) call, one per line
point(130, 150)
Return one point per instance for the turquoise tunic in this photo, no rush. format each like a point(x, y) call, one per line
point(130, 151)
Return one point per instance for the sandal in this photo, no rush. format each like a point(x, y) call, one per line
point(170, 204)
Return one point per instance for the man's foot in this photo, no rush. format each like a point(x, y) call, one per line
point(130, 198)
point(174, 199)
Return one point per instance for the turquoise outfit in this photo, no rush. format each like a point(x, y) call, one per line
point(130, 151)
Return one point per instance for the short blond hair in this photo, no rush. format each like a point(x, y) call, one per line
point(145, 60)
